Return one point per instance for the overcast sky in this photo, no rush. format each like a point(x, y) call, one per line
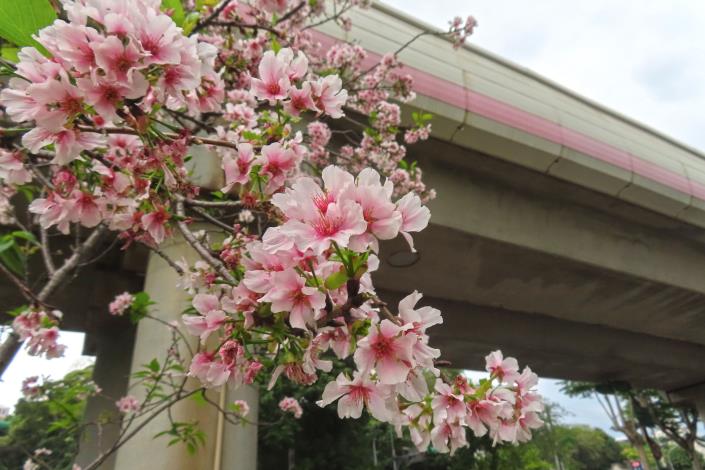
point(642, 58)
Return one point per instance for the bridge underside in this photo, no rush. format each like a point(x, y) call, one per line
point(564, 319)
point(575, 283)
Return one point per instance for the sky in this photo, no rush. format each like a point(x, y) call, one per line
point(642, 58)
point(24, 366)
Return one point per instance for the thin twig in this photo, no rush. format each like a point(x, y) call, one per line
point(212, 219)
point(46, 251)
point(216, 204)
point(207, 22)
point(166, 258)
point(200, 249)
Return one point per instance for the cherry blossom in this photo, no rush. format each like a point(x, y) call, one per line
point(388, 350)
point(128, 404)
point(291, 405)
point(353, 395)
point(121, 303)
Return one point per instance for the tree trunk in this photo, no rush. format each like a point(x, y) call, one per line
point(694, 457)
point(642, 456)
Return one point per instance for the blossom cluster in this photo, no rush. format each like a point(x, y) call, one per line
point(291, 405)
point(128, 404)
point(111, 62)
point(121, 303)
point(40, 330)
point(115, 110)
point(305, 291)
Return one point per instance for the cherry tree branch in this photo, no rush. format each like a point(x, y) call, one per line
point(12, 344)
point(46, 251)
point(197, 140)
point(200, 249)
point(209, 21)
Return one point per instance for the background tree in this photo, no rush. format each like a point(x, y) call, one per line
point(639, 413)
point(618, 406)
point(48, 417)
point(678, 423)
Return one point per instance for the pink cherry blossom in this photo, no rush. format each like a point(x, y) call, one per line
point(155, 224)
point(448, 436)
point(53, 210)
point(121, 303)
point(446, 404)
point(158, 37)
point(209, 371)
point(119, 61)
point(128, 404)
point(273, 82)
point(291, 405)
point(329, 95)
point(240, 408)
point(388, 350)
point(69, 143)
point(507, 370)
point(60, 101)
point(421, 318)
point(12, 168)
point(414, 216)
point(300, 100)
point(211, 317)
point(290, 294)
point(70, 43)
point(237, 170)
point(277, 163)
point(84, 209)
point(105, 95)
point(353, 395)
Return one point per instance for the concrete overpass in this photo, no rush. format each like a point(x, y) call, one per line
point(564, 233)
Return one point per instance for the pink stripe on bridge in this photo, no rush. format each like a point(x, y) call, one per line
point(458, 96)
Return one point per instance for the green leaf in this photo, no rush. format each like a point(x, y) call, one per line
point(24, 235)
point(153, 365)
point(200, 4)
point(336, 280)
point(13, 260)
point(6, 243)
point(199, 398)
point(20, 19)
point(190, 22)
point(9, 53)
point(176, 9)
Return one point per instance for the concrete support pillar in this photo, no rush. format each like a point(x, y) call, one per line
point(111, 372)
point(227, 447)
point(693, 395)
point(239, 447)
point(700, 405)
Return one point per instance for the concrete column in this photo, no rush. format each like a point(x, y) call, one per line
point(111, 372)
point(144, 452)
point(227, 447)
point(700, 405)
point(239, 446)
point(693, 395)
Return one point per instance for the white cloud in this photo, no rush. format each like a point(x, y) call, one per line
point(24, 366)
point(643, 59)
